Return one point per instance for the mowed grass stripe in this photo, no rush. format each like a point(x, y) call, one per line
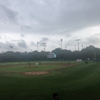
point(79, 82)
point(25, 67)
point(30, 68)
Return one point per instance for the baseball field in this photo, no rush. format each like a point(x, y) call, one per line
point(39, 80)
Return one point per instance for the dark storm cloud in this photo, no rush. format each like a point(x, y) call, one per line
point(22, 44)
point(49, 16)
point(7, 15)
point(68, 15)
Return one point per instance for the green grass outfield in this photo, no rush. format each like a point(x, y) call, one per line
point(78, 82)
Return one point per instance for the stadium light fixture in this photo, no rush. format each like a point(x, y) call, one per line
point(78, 42)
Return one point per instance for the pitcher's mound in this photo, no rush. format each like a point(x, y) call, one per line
point(35, 73)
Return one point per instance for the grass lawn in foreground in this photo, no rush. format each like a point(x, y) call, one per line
point(78, 82)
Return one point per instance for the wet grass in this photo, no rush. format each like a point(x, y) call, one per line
point(78, 82)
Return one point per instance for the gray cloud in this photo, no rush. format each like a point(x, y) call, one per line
point(68, 35)
point(94, 39)
point(25, 28)
point(50, 17)
point(91, 40)
point(14, 40)
point(22, 44)
point(5, 37)
point(22, 35)
point(6, 46)
point(98, 34)
point(43, 41)
point(32, 43)
point(7, 15)
point(70, 43)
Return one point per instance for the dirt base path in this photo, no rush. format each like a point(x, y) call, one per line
point(36, 73)
point(45, 72)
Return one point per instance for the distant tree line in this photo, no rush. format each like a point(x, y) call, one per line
point(90, 52)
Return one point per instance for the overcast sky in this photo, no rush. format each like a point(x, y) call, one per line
point(23, 23)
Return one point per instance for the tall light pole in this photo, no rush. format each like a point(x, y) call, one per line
point(61, 43)
point(78, 42)
point(44, 44)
